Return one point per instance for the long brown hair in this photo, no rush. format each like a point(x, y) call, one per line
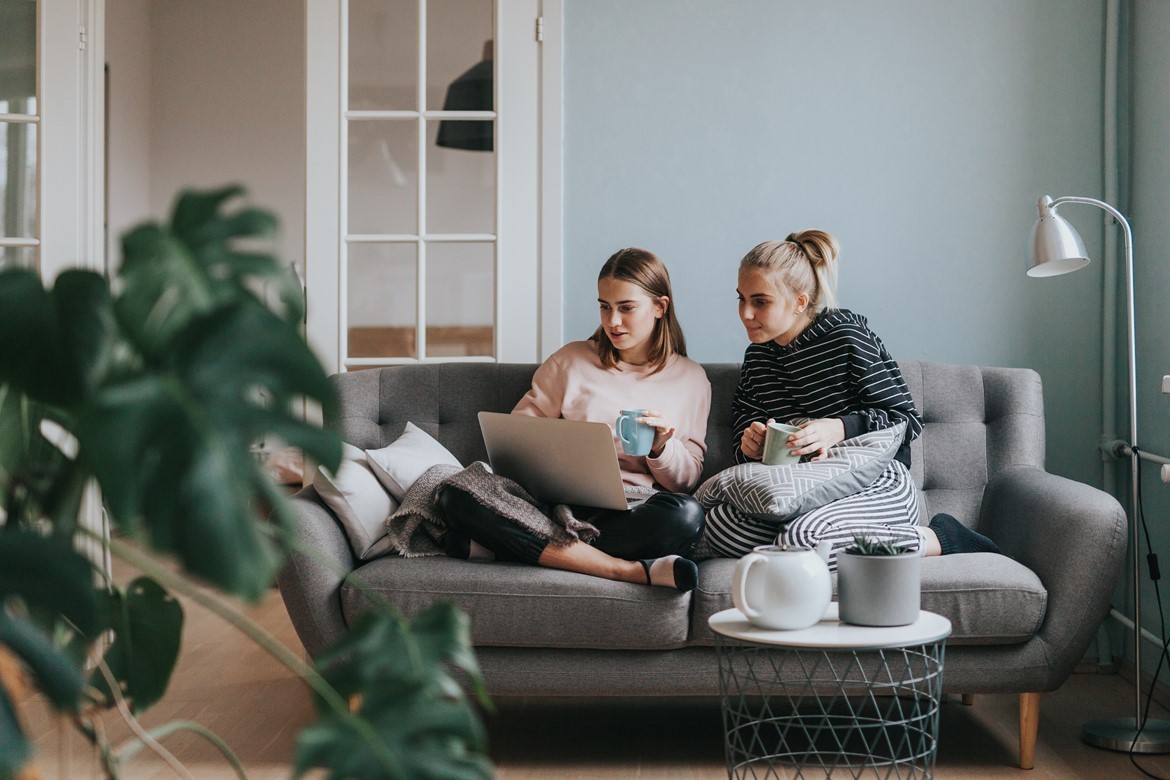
point(805, 262)
point(642, 267)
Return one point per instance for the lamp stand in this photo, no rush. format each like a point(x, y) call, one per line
point(1128, 734)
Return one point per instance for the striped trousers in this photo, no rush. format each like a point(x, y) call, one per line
point(887, 510)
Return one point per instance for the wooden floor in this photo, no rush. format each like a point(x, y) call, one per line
point(227, 684)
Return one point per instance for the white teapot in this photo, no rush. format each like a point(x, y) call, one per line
point(781, 587)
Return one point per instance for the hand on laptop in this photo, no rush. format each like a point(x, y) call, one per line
point(663, 431)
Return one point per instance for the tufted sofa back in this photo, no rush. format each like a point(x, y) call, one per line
point(979, 420)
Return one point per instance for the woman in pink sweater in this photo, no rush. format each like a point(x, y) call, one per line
point(635, 359)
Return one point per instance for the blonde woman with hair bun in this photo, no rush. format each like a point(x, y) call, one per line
point(817, 366)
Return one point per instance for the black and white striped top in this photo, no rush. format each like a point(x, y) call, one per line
point(837, 367)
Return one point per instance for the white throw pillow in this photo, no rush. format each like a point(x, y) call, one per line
point(399, 464)
point(360, 502)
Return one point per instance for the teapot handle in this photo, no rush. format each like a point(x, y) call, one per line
point(739, 584)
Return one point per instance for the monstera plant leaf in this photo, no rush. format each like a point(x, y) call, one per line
point(44, 576)
point(170, 448)
point(422, 725)
point(157, 391)
point(148, 626)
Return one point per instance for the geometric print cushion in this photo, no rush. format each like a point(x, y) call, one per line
point(784, 492)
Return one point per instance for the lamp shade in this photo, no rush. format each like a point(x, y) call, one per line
point(1057, 247)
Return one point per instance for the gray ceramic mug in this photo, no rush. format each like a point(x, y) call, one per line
point(776, 451)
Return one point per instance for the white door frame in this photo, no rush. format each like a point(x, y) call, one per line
point(71, 135)
point(71, 58)
point(552, 141)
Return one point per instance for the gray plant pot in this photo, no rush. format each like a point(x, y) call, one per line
point(879, 590)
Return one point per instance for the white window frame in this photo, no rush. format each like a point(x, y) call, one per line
point(527, 274)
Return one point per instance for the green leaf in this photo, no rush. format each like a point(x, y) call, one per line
point(416, 709)
point(195, 208)
point(399, 656)
point(89, 328)
point(246, 366)
point(163, 463)
point(444, 633)
point(57, 675)
point(49, 573)
point(148, 627)
point(165, 288)
point(429, 739)
point(15, 749)
point(30, 331)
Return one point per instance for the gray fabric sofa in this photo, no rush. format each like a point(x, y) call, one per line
point(1022, 621)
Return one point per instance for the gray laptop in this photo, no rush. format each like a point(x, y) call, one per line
point(558, 461)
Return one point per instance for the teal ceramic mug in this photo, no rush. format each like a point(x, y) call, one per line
point(636, 438)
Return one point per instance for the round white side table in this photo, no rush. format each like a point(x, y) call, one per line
point(834, 698)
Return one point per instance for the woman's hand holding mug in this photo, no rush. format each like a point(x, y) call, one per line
point(751, 441)
point(663, 431)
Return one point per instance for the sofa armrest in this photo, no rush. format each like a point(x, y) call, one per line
point(311, 589)
point(1074, 537)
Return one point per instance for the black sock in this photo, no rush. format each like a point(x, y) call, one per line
point(683, 573)
point(954, 537)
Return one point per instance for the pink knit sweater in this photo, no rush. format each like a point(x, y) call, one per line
point(574, 385)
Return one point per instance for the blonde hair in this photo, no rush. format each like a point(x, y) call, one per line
point(804, 262)
point(642, 267)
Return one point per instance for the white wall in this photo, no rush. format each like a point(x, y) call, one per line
point(128, 119)
point(228, 105)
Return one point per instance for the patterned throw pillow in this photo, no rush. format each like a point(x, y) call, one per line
point(783, 492)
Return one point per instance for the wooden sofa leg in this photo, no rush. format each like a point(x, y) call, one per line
point(1029, 725)
point(968, 699)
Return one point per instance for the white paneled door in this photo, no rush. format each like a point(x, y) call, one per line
point(423, 182)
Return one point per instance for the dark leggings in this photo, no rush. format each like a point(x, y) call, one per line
point(664, 524)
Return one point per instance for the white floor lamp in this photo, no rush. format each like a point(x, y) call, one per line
point(1057, 248)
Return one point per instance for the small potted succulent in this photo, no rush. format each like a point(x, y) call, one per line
point(879, 583)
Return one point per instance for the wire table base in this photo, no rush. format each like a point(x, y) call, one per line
point(838, 712)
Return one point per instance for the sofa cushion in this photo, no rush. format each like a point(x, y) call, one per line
point(516, 605)
point(989, 599)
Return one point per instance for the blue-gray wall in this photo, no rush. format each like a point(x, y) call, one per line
point(1149, 198)
point(921, 134)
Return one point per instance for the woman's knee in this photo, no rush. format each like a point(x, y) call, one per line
point(680, 518)
point(505, 538)
point(802, 532)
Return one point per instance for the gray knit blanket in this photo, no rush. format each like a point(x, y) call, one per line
point(416, 528)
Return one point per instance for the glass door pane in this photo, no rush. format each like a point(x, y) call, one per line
point(460, 54)
point(18, 56)
point(383, 54)
point(18, 133)
point(461, 299)
point(461, 183)
point(18, 179)
point(382, 303)
point(383, 177)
